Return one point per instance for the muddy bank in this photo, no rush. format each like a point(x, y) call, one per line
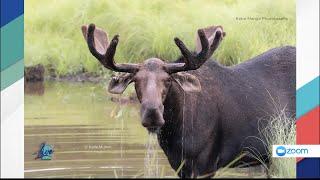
point(38, 73)
point(80, 77)
point(34, 73)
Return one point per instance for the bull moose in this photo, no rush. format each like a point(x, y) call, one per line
point(205, 114)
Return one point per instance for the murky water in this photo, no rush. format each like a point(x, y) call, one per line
point(91, 135)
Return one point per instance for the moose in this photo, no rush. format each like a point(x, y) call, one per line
point(204, 113)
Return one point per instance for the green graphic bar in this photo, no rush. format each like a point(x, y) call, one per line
point(12, 74)
point(12, 42)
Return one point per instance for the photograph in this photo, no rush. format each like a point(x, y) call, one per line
point(160, 89)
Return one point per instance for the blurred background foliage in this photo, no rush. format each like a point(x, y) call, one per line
point(53, 36)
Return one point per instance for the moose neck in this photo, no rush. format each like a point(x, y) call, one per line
point(173, 106)
point(181, 130)
point(171, 132)
point(177, 99)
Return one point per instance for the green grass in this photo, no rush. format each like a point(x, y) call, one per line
point(147, 29)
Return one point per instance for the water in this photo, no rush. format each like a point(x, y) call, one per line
point(92, 136)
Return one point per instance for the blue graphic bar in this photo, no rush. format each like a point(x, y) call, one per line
point(10, 9)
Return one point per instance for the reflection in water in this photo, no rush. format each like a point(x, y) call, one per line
point(34, 88)
point(91, 135)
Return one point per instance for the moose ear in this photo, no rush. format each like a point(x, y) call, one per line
point(188, 82)
point(214, 34)
point(119, 83)
point(101, 42)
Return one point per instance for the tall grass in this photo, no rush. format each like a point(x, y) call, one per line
point(281, 130)
point(147, 29)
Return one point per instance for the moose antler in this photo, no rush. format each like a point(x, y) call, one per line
point(193, 61)
point(100, 48)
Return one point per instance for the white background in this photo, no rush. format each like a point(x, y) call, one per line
point(12, 130)
point(307, 41)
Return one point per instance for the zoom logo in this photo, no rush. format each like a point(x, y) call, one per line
point(281, 151)
point(296, 151)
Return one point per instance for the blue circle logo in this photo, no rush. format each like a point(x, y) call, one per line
point(281, 151)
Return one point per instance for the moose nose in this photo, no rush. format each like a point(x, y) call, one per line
point(152, 123)
point(152, 116)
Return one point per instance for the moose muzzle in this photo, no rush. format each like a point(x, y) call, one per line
point(152, 116)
